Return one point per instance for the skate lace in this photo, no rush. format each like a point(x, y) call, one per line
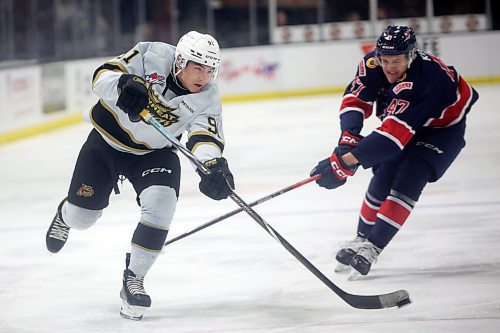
point(369, 251)
point(135, 285)
point(59, 230)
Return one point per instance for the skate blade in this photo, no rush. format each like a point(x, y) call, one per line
point(355, 275)
point(131, 312)
point(342, 269)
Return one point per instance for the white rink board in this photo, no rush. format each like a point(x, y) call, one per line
point(288, 67)
point(20, 96)
point(333, 64)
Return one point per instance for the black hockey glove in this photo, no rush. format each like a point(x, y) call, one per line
point(348, 140)
point(333, 171)
point(219, 183)
point(133, 95)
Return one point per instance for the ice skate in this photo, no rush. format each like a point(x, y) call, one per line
point(58, 232)
point(347, 251)
point(135, 300)
point(367, 255)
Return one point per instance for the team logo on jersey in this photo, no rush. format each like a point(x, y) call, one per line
point(85, 191)
point(402, 86)
point(371, 63)
point(161, 111)
point(155, 78)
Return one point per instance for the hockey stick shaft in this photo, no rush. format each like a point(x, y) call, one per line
point(397, 298)
point(239, 210)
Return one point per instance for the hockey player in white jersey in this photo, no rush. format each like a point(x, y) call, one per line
point(176, 84)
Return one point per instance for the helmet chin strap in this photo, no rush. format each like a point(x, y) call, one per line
point(177, 73)
point(411, 56)
point(176, 70)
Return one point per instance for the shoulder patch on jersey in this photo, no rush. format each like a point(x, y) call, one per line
point(402, 86)
point(155, 78)
point(371, 62)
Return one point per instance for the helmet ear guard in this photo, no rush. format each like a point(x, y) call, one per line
point(396, 40)
point(200, 48)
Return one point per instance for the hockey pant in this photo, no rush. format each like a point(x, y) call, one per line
point(156, 179)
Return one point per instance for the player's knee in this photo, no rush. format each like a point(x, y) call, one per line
point(413, 175)
point(158, 206)
point(78, 217)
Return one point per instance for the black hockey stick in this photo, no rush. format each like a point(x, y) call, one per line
point(397, 298)
point(236, 211)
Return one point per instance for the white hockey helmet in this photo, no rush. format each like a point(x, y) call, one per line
point(200, 48)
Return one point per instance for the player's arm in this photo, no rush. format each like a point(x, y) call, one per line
point(105, 77)
point(206, 142)
point(356, 105)
point(205, 137)
point(359, 96)
point(120, 81)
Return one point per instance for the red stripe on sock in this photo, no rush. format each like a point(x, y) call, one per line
point(394, 211)
point(368, 213)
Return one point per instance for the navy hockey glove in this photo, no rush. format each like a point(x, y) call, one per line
point(219, 183)
point(333, 171)
point(133, 95)
point(348, 141)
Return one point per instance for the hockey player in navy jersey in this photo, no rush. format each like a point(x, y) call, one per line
point(422, 104)
point(176, 84)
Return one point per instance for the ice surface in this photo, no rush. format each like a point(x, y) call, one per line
point(232, 276)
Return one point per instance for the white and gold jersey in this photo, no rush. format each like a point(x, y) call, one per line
point(197, 114)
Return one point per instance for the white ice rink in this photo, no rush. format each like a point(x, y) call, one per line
point(234, 277)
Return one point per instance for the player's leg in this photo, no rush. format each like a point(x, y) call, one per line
point(88, 194)
point(426, 159)
point(377, 191)
point(410, 179)
point(156, 179)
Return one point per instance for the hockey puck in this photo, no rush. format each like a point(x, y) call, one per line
point(403, 302)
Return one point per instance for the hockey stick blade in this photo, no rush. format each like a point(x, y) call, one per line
point(397, 298)
point(239, 210)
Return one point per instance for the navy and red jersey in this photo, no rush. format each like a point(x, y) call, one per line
point(430, 96)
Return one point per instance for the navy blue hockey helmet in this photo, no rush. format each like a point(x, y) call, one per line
point(397, 39)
